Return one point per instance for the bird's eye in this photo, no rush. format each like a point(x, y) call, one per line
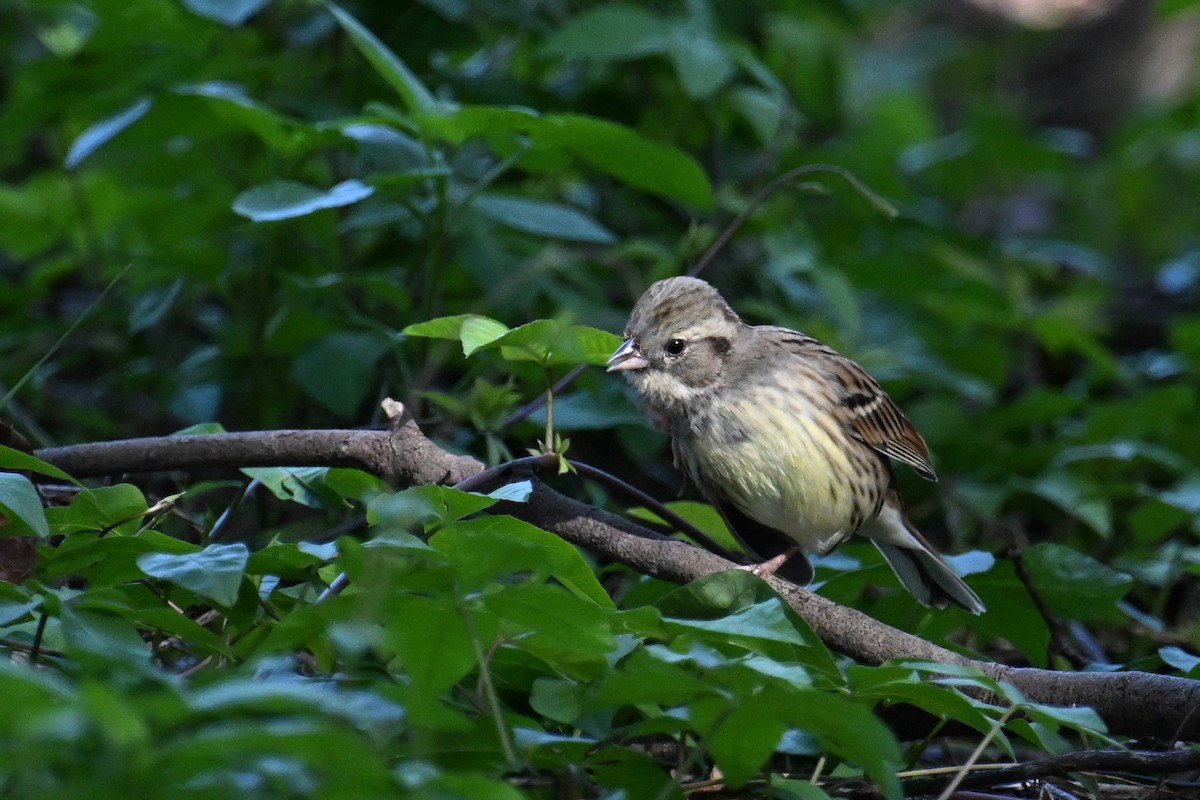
point(675, 347)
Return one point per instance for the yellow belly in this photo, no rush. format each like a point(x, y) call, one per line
point(788, 473)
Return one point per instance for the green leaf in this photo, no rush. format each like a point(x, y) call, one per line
point(118, 508)
point(741, 734)
point(420, 506)
point(102, 640)
point(432, 641)
point(338, 370)
point(231, 13)
point(289, 199)
point(1076, 497)
point(20, 503)
point(850, 730)
point(486, 548)
point(552, 220)
point(571, 634)
point(630, 157)
point(108, 560)
point(214, 573)
point(900, 684)
point(1073, 584)
point(700, 61)
point(103, 131)
point(229, 103)
point(610, 33)
point(17, 460)
point(549, 342)
point(516, 492)
point(303, 485)
point(152, 614)
point(386, 63)
point(1180, 659)
point(609, 147)
point(473, 330)
point(712, 603)
point(286, 695)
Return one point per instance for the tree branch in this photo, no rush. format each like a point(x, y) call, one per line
point(1131, 703)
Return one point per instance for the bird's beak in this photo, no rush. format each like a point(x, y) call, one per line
point(627, 357)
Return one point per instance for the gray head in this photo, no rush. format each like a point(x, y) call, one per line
point(676, 343)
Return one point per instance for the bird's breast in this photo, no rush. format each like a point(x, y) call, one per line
point(787, 464)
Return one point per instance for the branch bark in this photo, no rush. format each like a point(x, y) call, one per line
point(1131, 703)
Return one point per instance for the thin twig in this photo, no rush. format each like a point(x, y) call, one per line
point(492, 474)
point(997, 726)
point(886, 208)
point(539, 401)
point(660, 510)
point(247, 489)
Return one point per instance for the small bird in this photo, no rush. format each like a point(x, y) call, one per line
point(791, 441)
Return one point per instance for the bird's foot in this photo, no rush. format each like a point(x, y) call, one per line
point(769, 567)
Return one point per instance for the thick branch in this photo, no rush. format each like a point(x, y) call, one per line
point(1133, 703)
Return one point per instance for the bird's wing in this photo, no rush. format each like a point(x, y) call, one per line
point(875, 420)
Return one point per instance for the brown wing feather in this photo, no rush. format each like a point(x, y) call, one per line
point(865, 409)
point(874, 418)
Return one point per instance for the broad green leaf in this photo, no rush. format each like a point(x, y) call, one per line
point(549, 342)
point(614, 32)
point(516, 492)
point(229, 102)
point(1180, 659)
point(289, 560)
point(431, 638)
point(21, 505)
point(486, 548)
point(556, 699)
point(338, 370)
point(101, 132)
point(473, 330)
point(16, 603)
point(231, 13)
point(214, 573)
point(740, 733)
point(714, 598)
point(386, 63)
point(1020, 622)
point(570, 634)
point(1074, 496)
point(700, 61)
point(109, 560)
point(472, 786)
point(553, 220)
point(120, 509)
point(286, 695)
point(850, 730)
point(765, 621)
point(154, 615)
point(1073, 584)
point(102, 640)
point(419, 506)
point(646, 676)
point(900, 684)
point(609, 147)
point(628, 156)
point(16, 460)
point(303, 485)
point(281, 199)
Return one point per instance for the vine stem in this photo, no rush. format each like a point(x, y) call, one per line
point(884, 207)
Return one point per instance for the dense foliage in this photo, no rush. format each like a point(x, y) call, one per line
point(263, 214)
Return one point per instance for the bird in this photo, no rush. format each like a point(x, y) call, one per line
point(789, 440)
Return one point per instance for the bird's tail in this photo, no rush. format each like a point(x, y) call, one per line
point(915, 561)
